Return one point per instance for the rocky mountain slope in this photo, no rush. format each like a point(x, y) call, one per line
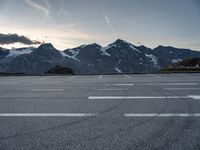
point(118, 57)
point(187, 65)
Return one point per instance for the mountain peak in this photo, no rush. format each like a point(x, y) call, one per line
point(161, 46)
point(47, 50)
point(47, 46)
point(95, 44)
point(120, 41)
point(92, 45)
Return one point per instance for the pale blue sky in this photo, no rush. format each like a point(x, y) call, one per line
point(70, 23)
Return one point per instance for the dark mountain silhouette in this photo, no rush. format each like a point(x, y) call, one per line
point(118, 57)
point(191, 62)
point(187, 65)
point(60, 70)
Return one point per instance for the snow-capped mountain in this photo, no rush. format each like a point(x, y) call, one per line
point(118, 57)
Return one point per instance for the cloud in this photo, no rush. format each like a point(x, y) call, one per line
point(39, 7)
point(110, 25)
point(59, 34)
point(15, 38)
point(47, 3)
point(62, 11)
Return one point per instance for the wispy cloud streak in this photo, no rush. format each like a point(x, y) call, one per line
point(47, 3)
point(38, 7)
point(110, 25)
point(62, 10)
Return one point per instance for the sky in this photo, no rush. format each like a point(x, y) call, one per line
point(71, 23)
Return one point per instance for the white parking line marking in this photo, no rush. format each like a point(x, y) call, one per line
point(100, 76)
point(171, 84)
point(47, 90)
point(46, 115)
point(122, 84)
point(127, 76)
point(109, 89)
point(46, 82)
point(180, 89)
point(42, 78)
point(137, 97)
point(196, 97)
point(10, 82)
point(73, 77)
point(125, 84)
point(155, 76)
point(163, 115)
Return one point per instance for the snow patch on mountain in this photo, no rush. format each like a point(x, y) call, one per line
point(119, 61)
point(141, 61)
point(153, 58)
point(176, 60)
point(72, 57)
point(15, 53)
point(104, 52)
point(74, 52)
point(133, 48)
point(118, 70)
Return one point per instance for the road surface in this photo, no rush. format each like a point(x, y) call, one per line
point(105, 112)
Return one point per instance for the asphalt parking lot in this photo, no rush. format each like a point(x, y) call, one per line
point(115, 112)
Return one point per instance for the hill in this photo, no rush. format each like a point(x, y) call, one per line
point(187, 65)
point(60, 70)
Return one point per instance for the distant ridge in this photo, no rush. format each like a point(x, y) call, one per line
point(191, 62)
point(118, 57)
point(187, 65)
